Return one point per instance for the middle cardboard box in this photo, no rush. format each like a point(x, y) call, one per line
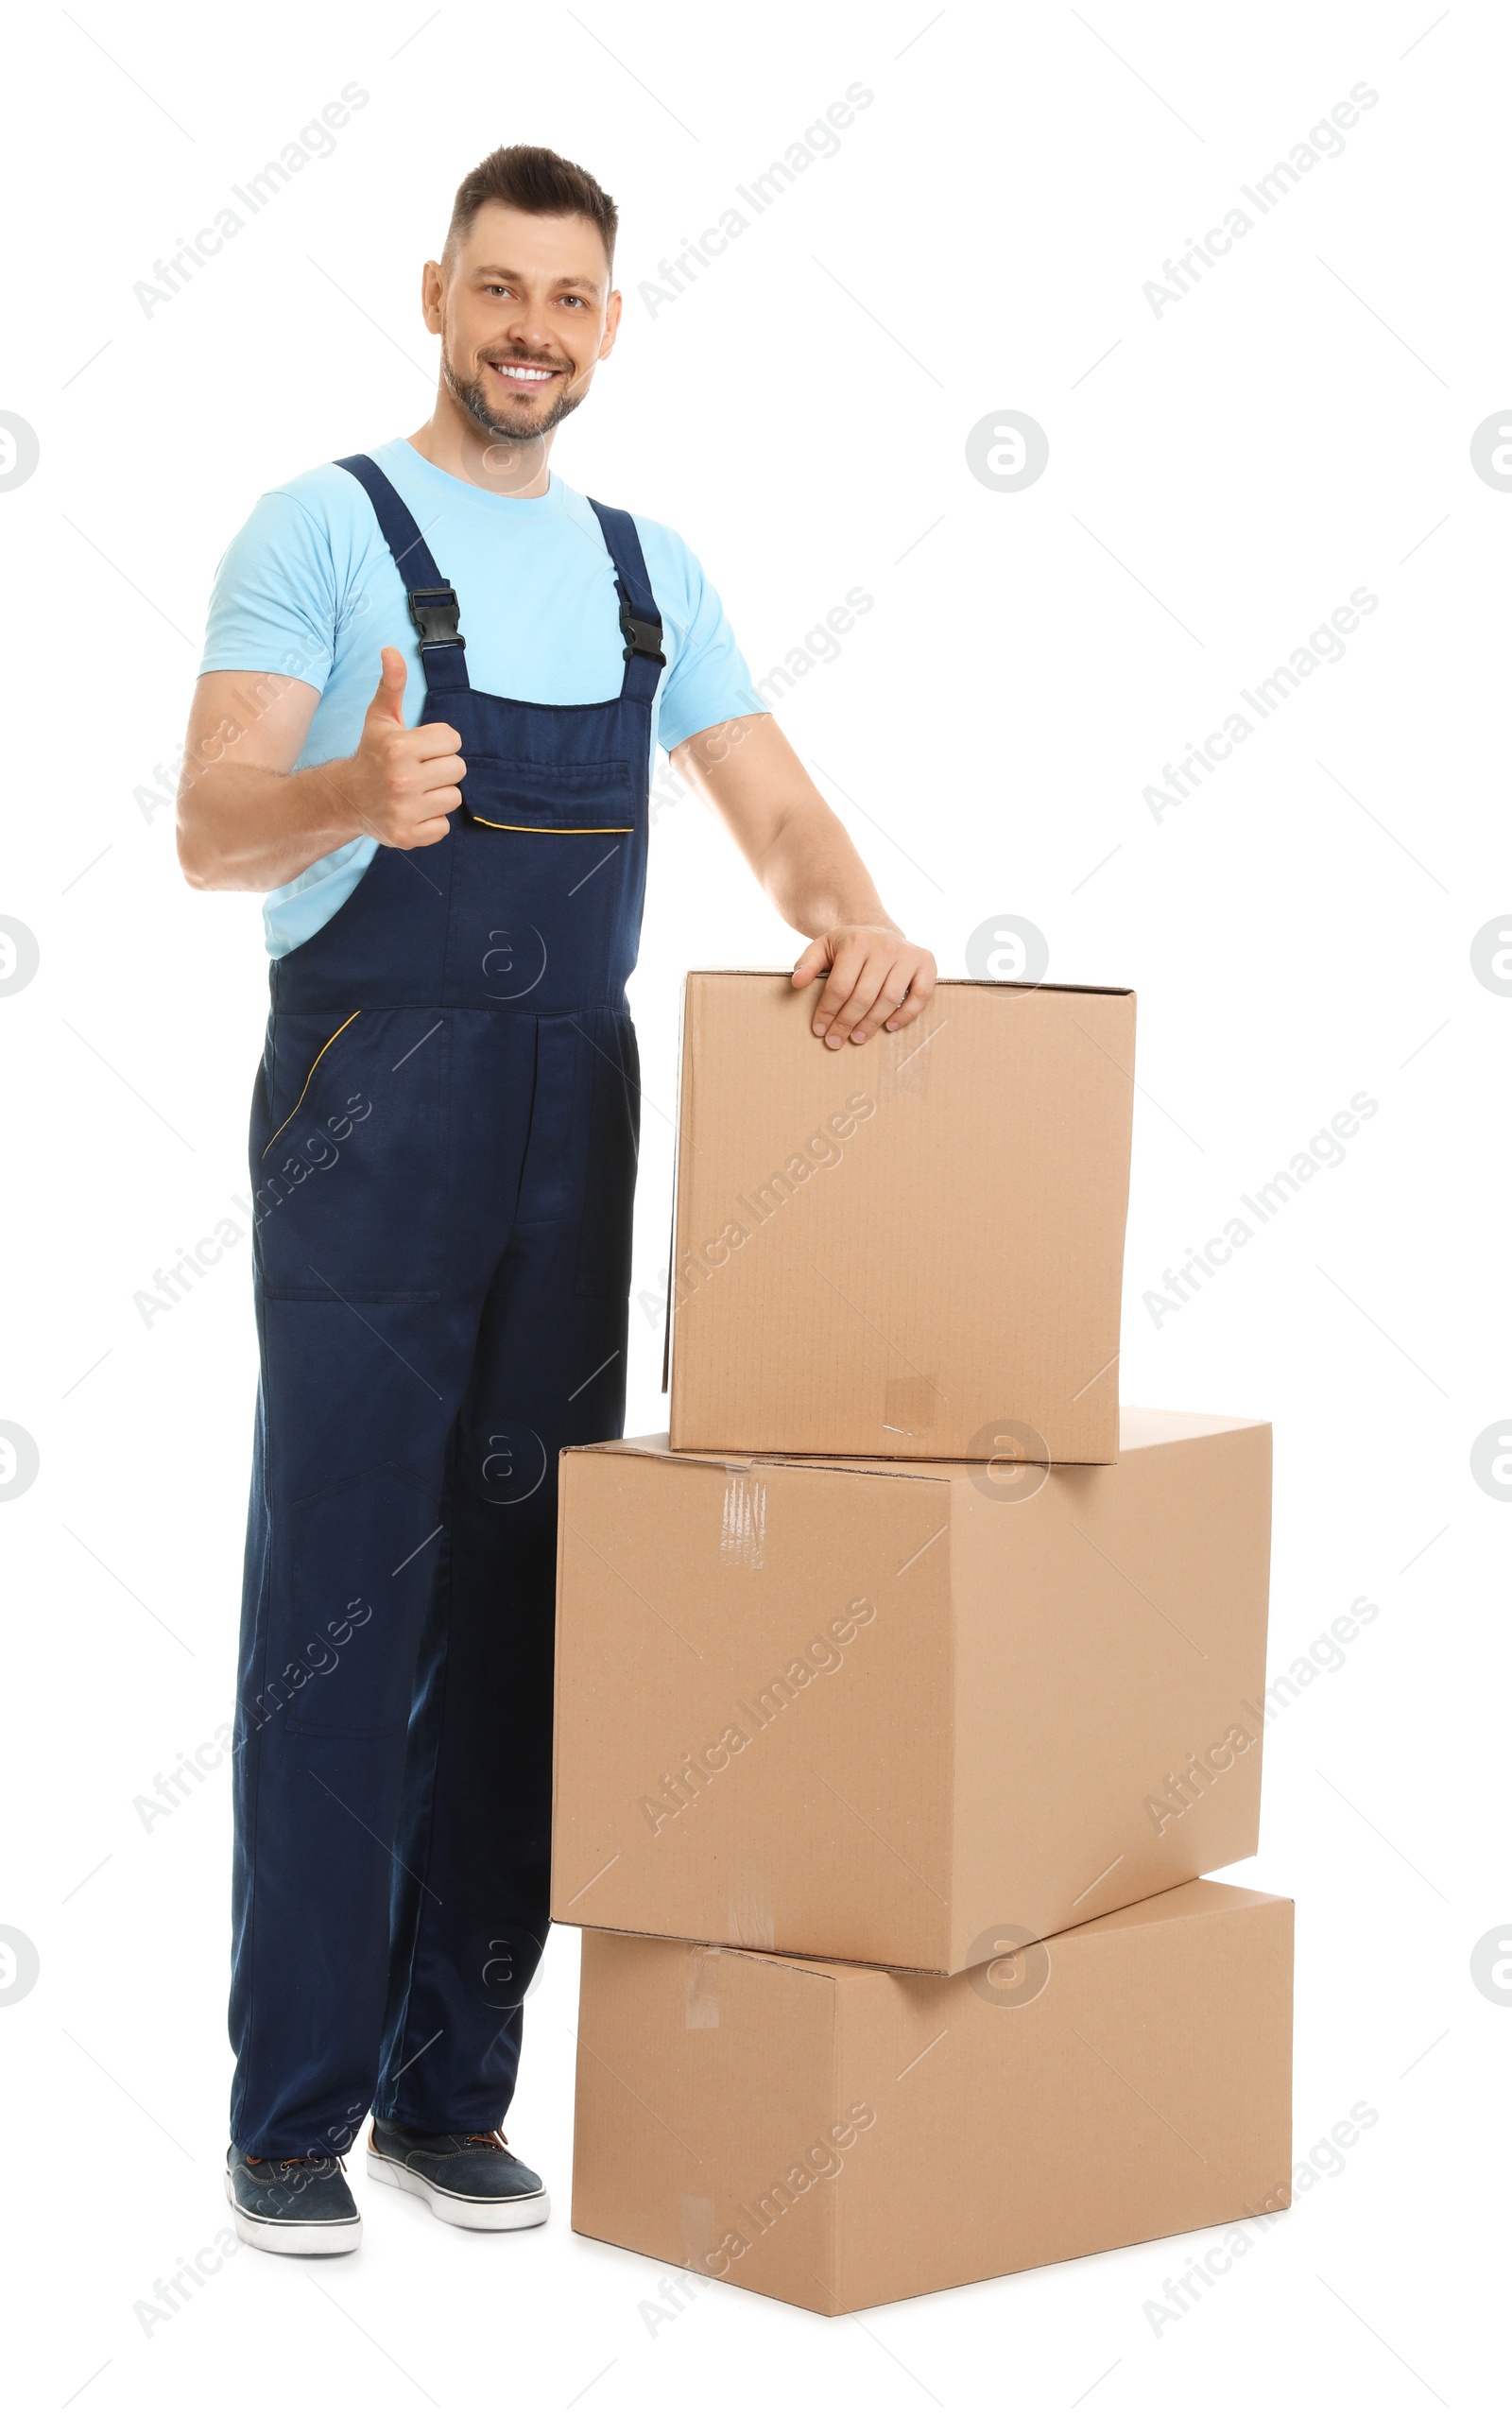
point(906, 1714)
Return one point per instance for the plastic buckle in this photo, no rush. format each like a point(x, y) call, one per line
point(641, 637)
point(437, 615)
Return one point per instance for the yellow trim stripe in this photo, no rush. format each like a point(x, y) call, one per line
point(310, 1077)
point(557, 830)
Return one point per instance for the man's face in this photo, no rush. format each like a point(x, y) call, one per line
point(524, 313)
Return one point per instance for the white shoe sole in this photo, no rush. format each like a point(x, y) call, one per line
point(474, 2216)
point(294, 2241)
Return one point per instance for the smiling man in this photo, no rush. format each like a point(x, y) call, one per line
point(433, 682)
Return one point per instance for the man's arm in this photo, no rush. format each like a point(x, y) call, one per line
point(803, 856)
point(248, 820)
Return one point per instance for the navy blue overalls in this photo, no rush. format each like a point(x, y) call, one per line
point(443, 1151)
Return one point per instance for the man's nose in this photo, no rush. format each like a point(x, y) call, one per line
point(529, 330)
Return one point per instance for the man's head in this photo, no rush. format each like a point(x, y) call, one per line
point(521, 297)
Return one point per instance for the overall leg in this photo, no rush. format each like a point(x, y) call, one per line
point(384, 1197)
point(354, 1412)
point(472, 1889)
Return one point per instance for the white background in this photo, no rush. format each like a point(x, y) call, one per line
point(1299, 930)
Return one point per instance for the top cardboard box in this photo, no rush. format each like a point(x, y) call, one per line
point(913, 1249)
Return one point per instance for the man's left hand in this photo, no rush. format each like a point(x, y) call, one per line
point(878, 981)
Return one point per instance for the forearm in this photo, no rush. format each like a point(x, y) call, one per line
point(798, 848)
point(874, 979)
point(811, 873)
point(249, 821)
point(243, 827)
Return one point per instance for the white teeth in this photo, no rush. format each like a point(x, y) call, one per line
point(518, 369)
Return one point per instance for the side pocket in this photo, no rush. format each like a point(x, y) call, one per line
point(350, 1177)
point(304, 1088)
point(359, 1561)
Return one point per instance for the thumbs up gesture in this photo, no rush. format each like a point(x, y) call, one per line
point(402, 784)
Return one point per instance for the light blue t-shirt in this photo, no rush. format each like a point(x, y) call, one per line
point(309, 587)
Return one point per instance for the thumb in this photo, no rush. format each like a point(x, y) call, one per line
point(816, 959)
point(389, 697)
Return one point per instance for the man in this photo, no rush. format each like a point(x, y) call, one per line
point(433, 683)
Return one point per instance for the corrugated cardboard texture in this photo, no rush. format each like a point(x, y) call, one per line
point(865, 2136)
point(701, 1604)
point(653, 2100)
point(900, 1248)
point(869, 1709)
point(1110, 1662)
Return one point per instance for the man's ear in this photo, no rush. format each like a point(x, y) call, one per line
point(612, 310)
point(432, 291)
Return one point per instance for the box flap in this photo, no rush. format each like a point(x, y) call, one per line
point(944, 982)
point(935, 1472)
point(1139, 1430)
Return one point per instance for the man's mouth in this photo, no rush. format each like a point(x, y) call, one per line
point(523, 377)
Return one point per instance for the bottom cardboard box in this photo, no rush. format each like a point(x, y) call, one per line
point(837, 2136)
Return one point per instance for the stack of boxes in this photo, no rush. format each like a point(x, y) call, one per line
point(906, 1693)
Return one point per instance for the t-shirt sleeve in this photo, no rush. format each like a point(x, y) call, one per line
point(708, 681)
point(274, 605)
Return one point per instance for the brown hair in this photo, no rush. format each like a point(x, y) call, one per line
point(524, 176)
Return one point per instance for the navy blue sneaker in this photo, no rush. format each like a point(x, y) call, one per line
point(472, 2179)
point(299, 2205)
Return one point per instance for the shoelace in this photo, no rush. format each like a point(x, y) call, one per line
point(312, 2158)
point(493, 2140)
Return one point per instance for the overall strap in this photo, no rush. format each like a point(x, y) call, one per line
point(433, 606)
point(639, 618)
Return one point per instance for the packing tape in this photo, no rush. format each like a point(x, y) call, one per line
point(700, 2005)
point(910, 1405)
point(742, 1522)
point(906, 1058)
point(697, 2231)
point(751, 1921)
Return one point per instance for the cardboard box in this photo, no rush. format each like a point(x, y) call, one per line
point(836, 2136)
point(911, 1248)
point(869, 1709)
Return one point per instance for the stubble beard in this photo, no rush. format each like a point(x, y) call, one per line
point(499, 425)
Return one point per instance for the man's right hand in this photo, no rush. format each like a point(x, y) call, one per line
point(249, 821)
point(401, 785)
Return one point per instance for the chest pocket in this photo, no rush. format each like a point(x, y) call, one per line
point(509, 794)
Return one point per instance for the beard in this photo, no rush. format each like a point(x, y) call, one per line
point(509, 425)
